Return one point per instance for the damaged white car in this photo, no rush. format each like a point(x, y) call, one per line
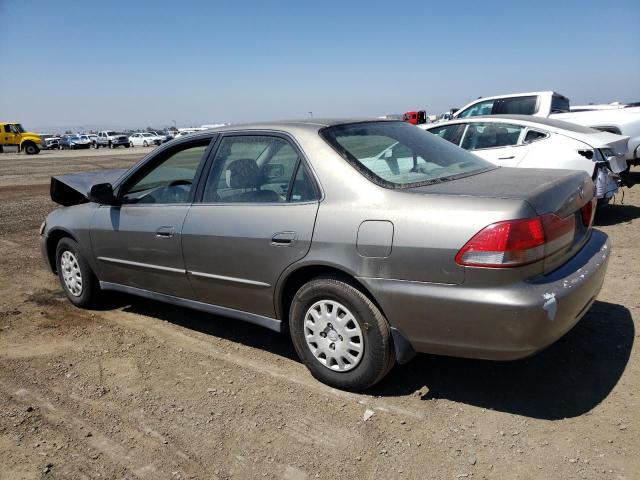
point(532, 142)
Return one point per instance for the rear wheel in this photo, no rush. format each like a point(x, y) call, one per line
point(76, 277)
point(340, 334)
point(145, 144)
point(131, 144)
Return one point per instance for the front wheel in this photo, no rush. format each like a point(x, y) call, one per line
point(31, 149)
point(340, 334)
point(78, 281)
point(145, 144)
point(131, 144)
point(110, 145)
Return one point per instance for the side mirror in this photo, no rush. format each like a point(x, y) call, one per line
point(102, 193)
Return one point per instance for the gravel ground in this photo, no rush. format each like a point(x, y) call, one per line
point(144, 390)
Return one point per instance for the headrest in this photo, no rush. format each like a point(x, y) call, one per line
point(243, 173)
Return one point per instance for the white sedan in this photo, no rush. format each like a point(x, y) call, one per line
point(533, 142)
point(144, 139)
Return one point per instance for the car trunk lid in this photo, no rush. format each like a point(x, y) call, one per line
point(563, 193)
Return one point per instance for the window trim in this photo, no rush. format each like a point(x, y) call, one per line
point(206, 171)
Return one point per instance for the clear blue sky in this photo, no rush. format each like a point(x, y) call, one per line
point(136, 63)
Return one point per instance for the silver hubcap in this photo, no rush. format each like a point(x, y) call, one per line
point(333, 335)
point(71, 273)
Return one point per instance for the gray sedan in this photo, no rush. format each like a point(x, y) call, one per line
point(366, 241)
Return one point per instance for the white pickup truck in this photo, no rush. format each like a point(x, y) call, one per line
point(111, 139)
point(622, 121)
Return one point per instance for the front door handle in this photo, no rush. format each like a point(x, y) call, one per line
point(507, 158)
point(165, 232)
point(283, 239)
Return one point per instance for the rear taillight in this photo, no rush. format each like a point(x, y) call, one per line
point(588, 212)
point(517, 242)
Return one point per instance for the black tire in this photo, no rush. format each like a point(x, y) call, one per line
point(90, 289)
point(126, 145)
point(110, 145)
point(378, 356)
point(31, 149)
point(145, 144)
point(131, 144)
point(60, 147)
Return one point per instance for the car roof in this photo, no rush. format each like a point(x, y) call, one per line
point(526, 120)
point(286, 125)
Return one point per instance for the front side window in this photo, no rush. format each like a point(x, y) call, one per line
point(171, 180)
point(257, 169)
point(480, 108)
point(490, 135)
point(398, 155)
point(451, 133)
point(516, 105)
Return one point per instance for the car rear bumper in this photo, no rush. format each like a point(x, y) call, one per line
point(496, 323)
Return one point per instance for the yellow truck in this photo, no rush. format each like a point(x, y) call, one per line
point(12, 135)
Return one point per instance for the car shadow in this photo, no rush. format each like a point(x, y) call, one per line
point(614, 214)
point(223, 327)
point(568, 379)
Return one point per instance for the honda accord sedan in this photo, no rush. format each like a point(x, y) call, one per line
point(365, 241)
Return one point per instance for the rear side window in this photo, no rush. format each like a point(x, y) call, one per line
point(533, 135)
point(559, 104)
point(490, 135)
point(516, 105)
point(257, 169)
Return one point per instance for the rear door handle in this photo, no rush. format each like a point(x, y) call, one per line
point(507, 158)
point(165, 232)
point(283, 239)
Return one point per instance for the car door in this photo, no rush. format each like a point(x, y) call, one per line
point(9, 134)
point(499, 143)
point(255, 217)
point(137, 242)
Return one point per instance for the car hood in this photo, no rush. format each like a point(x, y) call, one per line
point(73, 188)
point(546, 190)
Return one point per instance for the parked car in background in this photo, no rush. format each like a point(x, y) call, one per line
point(622, 121)
point(49, 142)
point(524, 141)
point(92, 138)
point(14, 136)
point(162, 136)
point(144, 139)
point(73, 142)
point(111, 139)
point(366, 241)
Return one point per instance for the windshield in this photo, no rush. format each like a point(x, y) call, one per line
point(111, 134)
point(397, 154)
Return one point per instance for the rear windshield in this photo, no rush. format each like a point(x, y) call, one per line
point(399, 155)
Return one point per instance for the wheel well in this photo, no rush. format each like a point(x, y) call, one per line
point(53, 239)
point(298, 278)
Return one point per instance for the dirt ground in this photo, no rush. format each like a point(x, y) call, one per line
point(144, 390)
